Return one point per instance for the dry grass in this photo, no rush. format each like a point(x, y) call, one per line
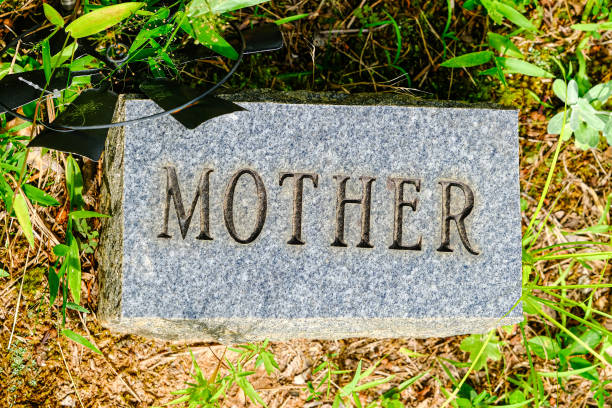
point(323, 53)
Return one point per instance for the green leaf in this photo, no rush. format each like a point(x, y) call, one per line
point(601, 92)
point(6, 193)
point(608, 131)
point(102, 18)
point(74, 182)
point(145, 34)
point(513, 15)
point(574, 119)
point(267, 359)
point(555, 124)
point(204, 31)
point(410, 353)
point(560, 89)
point(544, 347)
point(64, 55)
point(586, 137)
point(53, 16)
point(4, 274)
point(589, 115)
point(46, 58)
point(590, 337)
point(38, 196)
point(289, 19)
point(468, 60)
point(567, 132)
point(74, 306)
point(607, 25)
point(77, 338)
point(563, 374)
point(516, 397)
point(61, 250)
point(474, 343)
point(578, 363)
point(572, 92)
point(503, 45)
point(517, 66)
point(23, 217)
point(220, 6)
point(87, 214)
point(74, 271)
point(492, 10)
point(54, 282)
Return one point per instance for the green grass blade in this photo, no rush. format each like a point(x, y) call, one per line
point(77, 338)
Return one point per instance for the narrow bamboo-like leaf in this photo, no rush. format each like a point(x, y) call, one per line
point(52, 15)
point(204, 31)
point(87, 214)
point(46, 58)
point(221, 6)
point(564, 374)
point(23, 217)
point(77, 338)
point(74, 271)
point(504, 45)
point(593, 26)
point(61, 250)
point(74, 306)
point(64, 55)
point(74, 182)
point(289, 19)
point(587, 256)
point(517, 66)
point(102, 18)
point(513, 15)
point(54, 282)
point(468, 60)
point(373, 384)
point(38, 196)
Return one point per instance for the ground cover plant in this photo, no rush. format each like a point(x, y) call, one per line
point(551, 59)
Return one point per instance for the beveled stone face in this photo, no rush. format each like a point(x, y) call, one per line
point(314, 220)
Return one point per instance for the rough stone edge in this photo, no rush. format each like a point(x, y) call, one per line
point(240, 330)
point(307, 97)
point(110, 250)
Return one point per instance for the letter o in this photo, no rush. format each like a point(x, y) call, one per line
point(228, 206)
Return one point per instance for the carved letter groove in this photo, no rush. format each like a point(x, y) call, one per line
point(365, 201)
point(298, 189)
point(228, 206)
point(173, 190)
point(397, 184)
point(459, 218)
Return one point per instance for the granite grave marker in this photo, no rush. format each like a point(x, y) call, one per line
point(314, 216)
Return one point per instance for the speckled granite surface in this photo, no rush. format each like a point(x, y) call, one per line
point(222, 290)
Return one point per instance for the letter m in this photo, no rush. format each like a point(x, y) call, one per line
point(173, 191)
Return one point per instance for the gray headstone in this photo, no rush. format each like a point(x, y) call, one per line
point(246, 269)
